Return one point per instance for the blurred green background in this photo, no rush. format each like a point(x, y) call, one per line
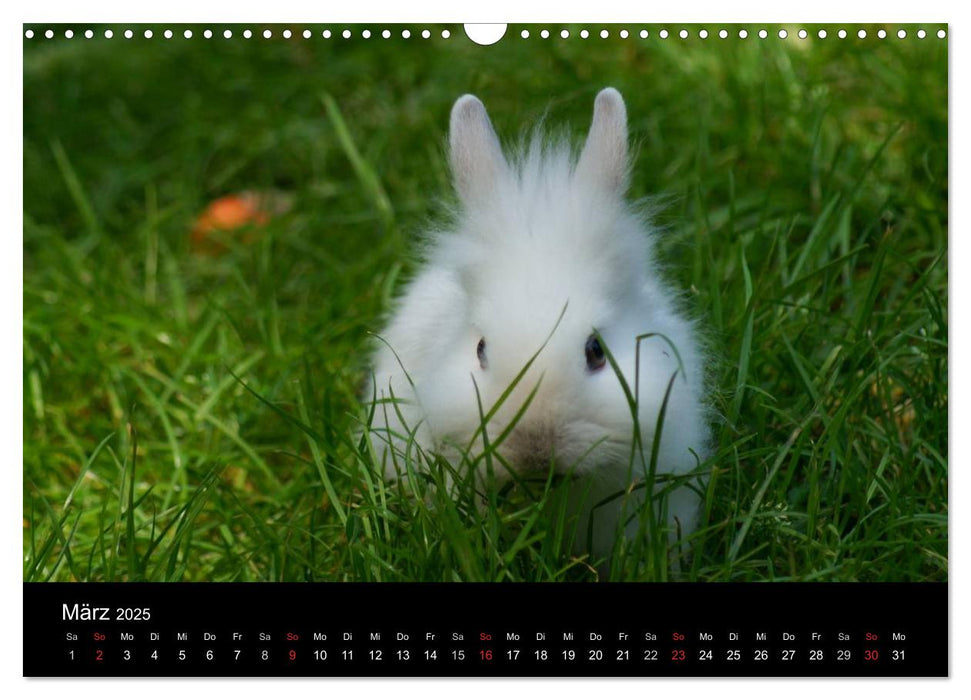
point(805, 190)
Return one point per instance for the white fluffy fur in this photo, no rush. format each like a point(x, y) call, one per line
point(533, 236)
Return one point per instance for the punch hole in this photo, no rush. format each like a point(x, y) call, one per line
point(484, 34)
point(742, 33)
point(723, 34)
point(703, 33)
point(524, 34)
point(941, 34)
point(247, 34)
point(821, 34)
point(307, 34)
point(167, 33)
point(644, 34)
point(861, 34)
point(763, 34)
point(624, 33)
point(901, 33)
point(921, 33)
point(109, 33)
point(148, 34)
point(228, 34)
point(446, 34)
point(584, 34)
point(425, 34)
point(564, 34)
point(49, 34)
point(129, 33)
point(841, 33)
point(882, 33)
point(287, 34)
point(663, 34)
point(187, 33)
point(68, 34)
point(545, 33)
point(207, 34)
point(406, 34)
point(29, 34)
point(783, 34)
point(803, 33)
point(683, 34)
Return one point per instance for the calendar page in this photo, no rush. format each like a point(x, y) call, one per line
point(485, 350)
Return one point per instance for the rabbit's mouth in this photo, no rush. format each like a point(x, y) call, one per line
point(564, 448)
point(535, 463)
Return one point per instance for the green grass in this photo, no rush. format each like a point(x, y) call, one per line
point(197, 417)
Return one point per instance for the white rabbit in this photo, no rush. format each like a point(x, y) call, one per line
point(545, 251)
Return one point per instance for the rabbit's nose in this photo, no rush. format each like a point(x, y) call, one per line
point(531, 447)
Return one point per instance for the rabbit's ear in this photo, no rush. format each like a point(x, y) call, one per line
point(476, 157)
point(603, 161)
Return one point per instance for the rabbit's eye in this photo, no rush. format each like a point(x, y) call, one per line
point(595, 354)
point(480, 351)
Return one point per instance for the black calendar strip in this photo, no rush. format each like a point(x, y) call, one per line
point(559, 629)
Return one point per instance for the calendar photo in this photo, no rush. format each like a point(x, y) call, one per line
point(422, 304)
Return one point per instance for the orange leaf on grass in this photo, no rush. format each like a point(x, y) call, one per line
point(249, 210)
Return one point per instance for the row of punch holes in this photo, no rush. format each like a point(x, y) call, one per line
point(487, 37)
